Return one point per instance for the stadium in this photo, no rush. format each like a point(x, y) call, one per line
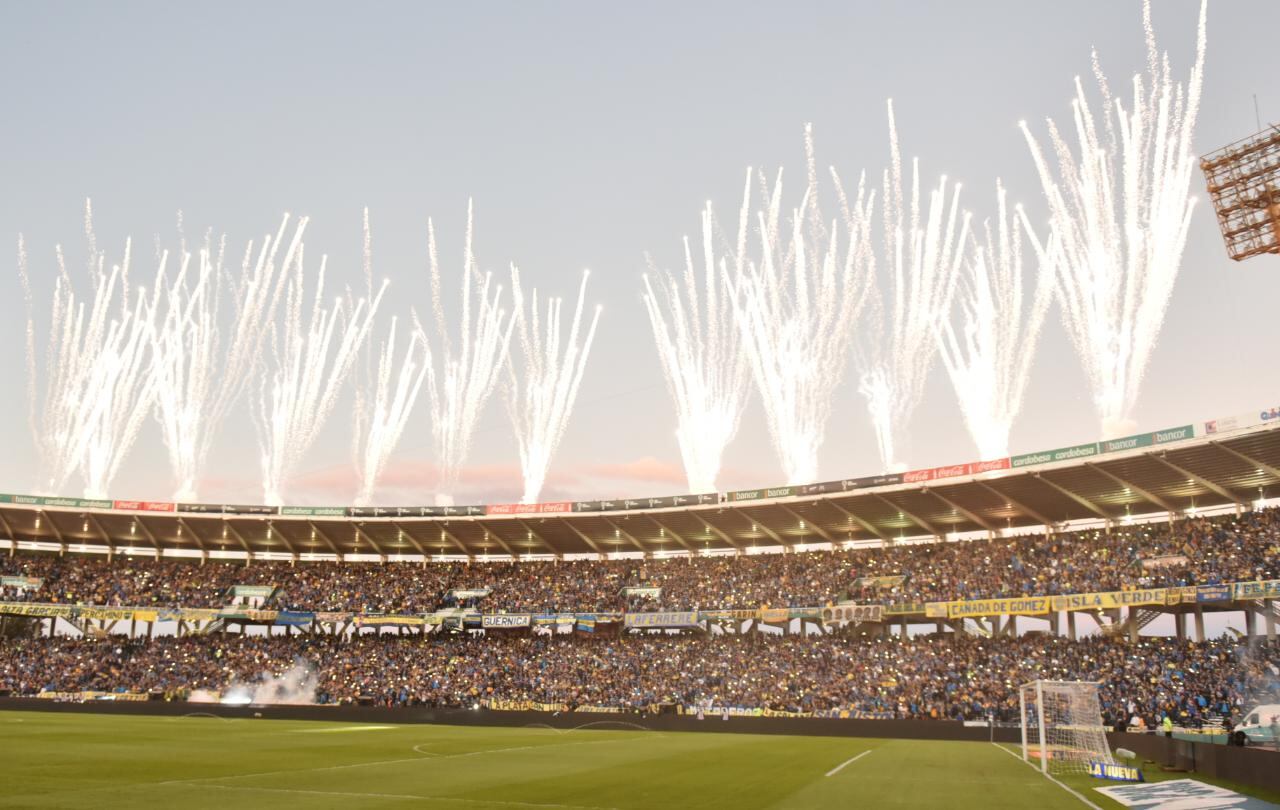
point(1045, 597)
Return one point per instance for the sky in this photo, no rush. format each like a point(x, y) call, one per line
point(588, 135)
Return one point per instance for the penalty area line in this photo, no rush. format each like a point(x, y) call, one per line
point(1072, 791)
point(848, 761)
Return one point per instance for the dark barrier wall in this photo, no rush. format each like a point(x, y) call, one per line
point(811, 726)
point(1259, 767)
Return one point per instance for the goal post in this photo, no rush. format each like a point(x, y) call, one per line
point(1062, 725)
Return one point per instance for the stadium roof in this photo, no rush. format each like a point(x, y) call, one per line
point(1202, 473)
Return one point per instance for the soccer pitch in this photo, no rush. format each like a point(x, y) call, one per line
point(101, 761)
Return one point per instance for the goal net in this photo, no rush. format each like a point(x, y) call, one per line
point(1062, 725)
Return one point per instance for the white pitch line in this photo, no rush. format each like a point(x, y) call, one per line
point(1047, 776)
point(848, 761)
point(414, 797)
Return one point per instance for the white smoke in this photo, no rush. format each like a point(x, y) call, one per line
point(293, 688)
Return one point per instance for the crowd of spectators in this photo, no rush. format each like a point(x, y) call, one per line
point(1189, 552)
point(940, 677)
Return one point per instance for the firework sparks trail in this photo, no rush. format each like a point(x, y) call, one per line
point(700, 350)
point(303, 374)
point(459, 388)
point(99, 384)
point(200, 376)
point(541, 394)
point(795, 305)
point(1120, 209)
point(923, 260)
point(988, 358)
point(383, 407)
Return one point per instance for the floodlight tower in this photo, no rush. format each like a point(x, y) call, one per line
point(1244, 183)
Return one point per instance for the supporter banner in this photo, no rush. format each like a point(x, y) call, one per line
point(757, 494)
point(841, 615)
point(1164, 561)
point(389, 621)
point(586, 622)
point(333, 616)
point(1264, 589)
point(1109, 599)
point(642, 590)
point(21, 583)
point(294, 618)
point(904, 608)
point(1023, 605)
point(470, 593)
point(805, 613)
point(82, 697)
point(1183, 595)
point(1061, 454)
point(936, 610)
point(682, 618)
point(36, 610)
point(728, 615)
point(523, 706)
point(544, 619)
point(44, 611)
point(504, 621)
point(187, 614)
point(253, 591)
point(314, 511)
point(1213, 593)
point(113, 614)
point(880, 582)
point(775, 615)
point(241, 614)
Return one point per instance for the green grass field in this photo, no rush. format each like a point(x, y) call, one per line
point(100, 761)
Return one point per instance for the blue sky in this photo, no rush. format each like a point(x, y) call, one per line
point(588, 134)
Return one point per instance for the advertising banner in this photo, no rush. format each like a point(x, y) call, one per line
point(758, 494)
point(1109, 599)
point(1022, 606)
point(1178, 434)
point(314, 511)
point(979, 467)
point(841, 615)
point(1061, 454)
point(505, 621)
point(679, 618)
point(871, 481)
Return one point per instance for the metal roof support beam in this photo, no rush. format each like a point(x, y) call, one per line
point(1021, 507)
point(590, 543)
point(1150, 496)
point(271, 527)
point(327, 540)
point(971, 515)
point(106, 538)
point(540, 538)
point(618, 530)
point(921, 522)
point(1080, 499)
point(821, 532)
point(147, 531)
point(1257, 465)
point(490, 534)
point(62, 541)
point(713, 529)
point(360, 532)
point(243, 543)
point(866, 525)
point(668, 530)
point(194, 536)
point(413, 541)
point(1207, 484)
point(445, 534)
point(13, 538)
